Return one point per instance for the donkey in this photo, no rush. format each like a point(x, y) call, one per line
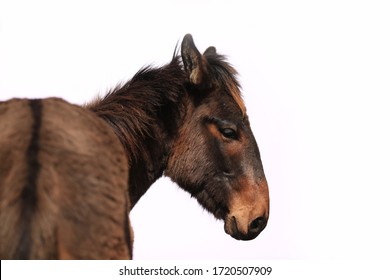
point(69, 175)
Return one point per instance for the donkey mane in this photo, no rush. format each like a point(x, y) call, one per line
point(144, 113)
point(132, 108)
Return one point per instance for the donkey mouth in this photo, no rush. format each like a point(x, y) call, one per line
point(251, 232)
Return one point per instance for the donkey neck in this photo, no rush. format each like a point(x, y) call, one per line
point(145, 114)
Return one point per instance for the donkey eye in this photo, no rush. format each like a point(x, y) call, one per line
point(229, 133)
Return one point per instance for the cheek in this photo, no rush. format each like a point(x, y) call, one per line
point(188, 159)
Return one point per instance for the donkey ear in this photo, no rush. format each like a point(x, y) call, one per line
point(210, 51)
point(192, 60)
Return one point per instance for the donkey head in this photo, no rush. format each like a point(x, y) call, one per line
point(215, 156)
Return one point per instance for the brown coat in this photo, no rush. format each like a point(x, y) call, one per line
point(63, 183)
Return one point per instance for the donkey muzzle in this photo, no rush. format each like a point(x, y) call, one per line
point(249, 210)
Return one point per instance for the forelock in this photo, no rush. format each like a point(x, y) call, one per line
point(226, 75)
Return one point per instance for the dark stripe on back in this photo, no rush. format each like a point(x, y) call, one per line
point(29, 192)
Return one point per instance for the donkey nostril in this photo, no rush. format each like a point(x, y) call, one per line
point(257, 224)
point(234, 225)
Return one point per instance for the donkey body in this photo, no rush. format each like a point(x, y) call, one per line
point(70, 175)
point(63, 184)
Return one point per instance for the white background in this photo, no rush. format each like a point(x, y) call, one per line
point(315, 79)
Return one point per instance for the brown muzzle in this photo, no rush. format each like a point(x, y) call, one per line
point(249, 210)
